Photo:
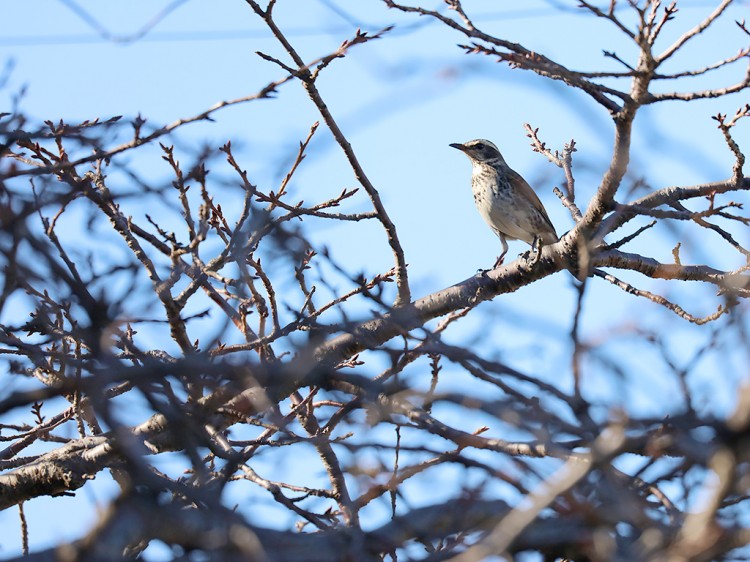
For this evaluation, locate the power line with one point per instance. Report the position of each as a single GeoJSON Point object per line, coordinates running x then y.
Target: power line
{"type": "Point", "coordinates": [105, 34]}
{"type": "Point", "coordinates": [145, 33]}
{"type": "Point", "coordinates": [176, 36]}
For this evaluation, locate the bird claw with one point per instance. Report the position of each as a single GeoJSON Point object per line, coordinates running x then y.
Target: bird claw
{"type": "Point", "coordinates": [533, 255]}
{"type": "Point", "coordinates": [498, 262]}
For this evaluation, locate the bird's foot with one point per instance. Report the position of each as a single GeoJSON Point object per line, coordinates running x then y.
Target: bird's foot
{"type": "Point", "coordinates": [498, 262]}
{"type": "Point", "coordinates": [534, 254]}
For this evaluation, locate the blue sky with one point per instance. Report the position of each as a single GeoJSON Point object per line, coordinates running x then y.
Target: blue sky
{"type": "Point", "coordinates": [401, 100]}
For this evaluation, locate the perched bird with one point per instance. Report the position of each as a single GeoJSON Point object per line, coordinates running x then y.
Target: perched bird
{"type": "Point", "coordinates": [506, 202]}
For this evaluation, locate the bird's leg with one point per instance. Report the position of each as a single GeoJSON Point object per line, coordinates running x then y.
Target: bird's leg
{"type": "Point", "coordinates": [501, 257]}
{"type": "Point", "coordinates": [536, 247]}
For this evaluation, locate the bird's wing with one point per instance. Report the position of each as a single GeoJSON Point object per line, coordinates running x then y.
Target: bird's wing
{"type": "Point", "coordinates": [527, 191]}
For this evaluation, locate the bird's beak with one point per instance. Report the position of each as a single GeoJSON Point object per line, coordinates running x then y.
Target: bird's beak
{"type": "Point", "coordinates": [459, 146]}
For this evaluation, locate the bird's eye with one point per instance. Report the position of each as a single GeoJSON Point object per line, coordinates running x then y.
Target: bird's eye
{"type": "Point", "coordinates": [479, 146]}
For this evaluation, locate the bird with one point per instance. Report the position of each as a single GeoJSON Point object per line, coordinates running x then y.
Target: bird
{"type": "Point", "coordinates": [505, 200]}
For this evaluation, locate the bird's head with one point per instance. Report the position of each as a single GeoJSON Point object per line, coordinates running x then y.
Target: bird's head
{"type": "Point", "coordinates": [480, 151]}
